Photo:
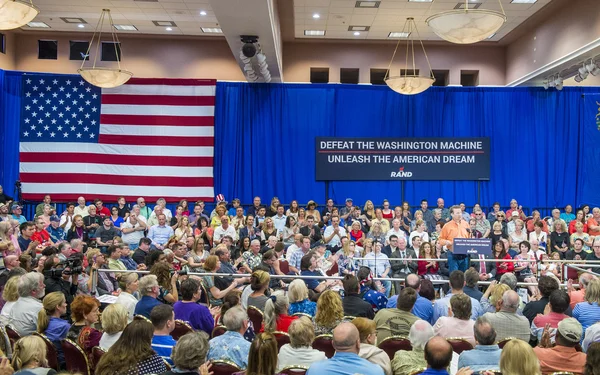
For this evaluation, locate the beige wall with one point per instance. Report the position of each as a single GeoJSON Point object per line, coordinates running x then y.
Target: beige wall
{"type": "Point", "coordinates": [299, 57]}
{"type": "Point", "coordinates": [145, 57]}
{"type": "Point", "coordinates": [576, 24]}
{"type": "Point", "coordinates": [7, 60]}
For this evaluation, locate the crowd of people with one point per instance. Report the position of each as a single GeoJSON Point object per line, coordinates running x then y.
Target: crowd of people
{"type": "Point", "coordinates": [398, 276]}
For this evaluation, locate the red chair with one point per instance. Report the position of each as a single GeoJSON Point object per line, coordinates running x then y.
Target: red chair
{"type": "Point", "coordinates": [51, 355]}
{"type": "Point", "coordinates": [218, 331]}
{"type": "Point", "coordinates": [13, 336]}
{"type": "Point", "coordinates": [97, 353]}
{"type": "Point", "coordinates": [282, 339]}
{"type": "Point", "coordinates": [459, 344]}
{"type": "Point", "coordinates": [181, 328]}
{"type": "Point", "coordinates": [324, 343]}
{"type": "Point", "coordinates": [334, 270]}
{"type": "Point", "coordinates": [392, 344]}
{"type": "Point", "coordinates": [75, 357]}
{"type": "Point", "coordinates": [222, 367]}
{"type": "Point", "coordinates": [256, 317]}
{"type": "Point", "coordinates": [284, 266]}
{"type": "Point", "coordinates": [503, 342]}
{"type": "Point", "coordinates": [294, 370]}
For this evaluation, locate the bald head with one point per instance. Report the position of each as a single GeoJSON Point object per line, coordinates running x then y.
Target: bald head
{"type": "Point", "coordinates": [438, 353]}
{"type": "Point", "coordinates": [510, 301]}
{"type": "Point", "coordinates": [413, 281]}
{"type": "Point", "coordinates": [346, 338]}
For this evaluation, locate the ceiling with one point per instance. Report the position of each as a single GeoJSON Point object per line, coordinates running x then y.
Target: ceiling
{"type": "Point", "coordinates": [335, 16]}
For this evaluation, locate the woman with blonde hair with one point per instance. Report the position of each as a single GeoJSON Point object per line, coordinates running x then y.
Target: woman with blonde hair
{"type": "Point", "coordinates": [7, 246]}
{"type": "Point", "coordinates": [368, 339]}
{"type": "Point", "coordinates": [29, 355]}
{"type": "Point", "coordinates": [330, 312]}
{"type": "Point", "coordinates": [49, 322]}
{"type": "Point", "coordinates": [588, 311]}
{"type": "Point", "coordinates": [211, 265]}
{"type": "Point", "coordinates": [197, 255]}
{"type": "Point", "coordinates": [10, 296]}
{"type": "Point", "coordinates": [492, 295]}
{"type": "Point", "coordinates": [276, 313]}
{"type": "Point", "coordinates": [345, 261]}
{"type": "Point", "coordinates": [299, 351]}
{"type": "Point", "coordinates": [518, 358]}
{"type": "Point", "coordinates": [114, 321]}
{"type": "Point", "coordinates": [267, 230]}
{"type": "Point", "coordinates": [299, 301]}
{"type": "Point", "coordinates": [215, 221]}
{"type": "Point", "coordinates": [129, 284]}
{"type": "Point", "coordinates": [262, 357]}
{"type": "Point", "coordinates": [183, 230]}
{"type": "Point", "coordinates": [369, 211]}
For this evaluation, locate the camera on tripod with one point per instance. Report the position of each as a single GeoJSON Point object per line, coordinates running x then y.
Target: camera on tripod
{"type": "Point", "coordinates": [72, 266]}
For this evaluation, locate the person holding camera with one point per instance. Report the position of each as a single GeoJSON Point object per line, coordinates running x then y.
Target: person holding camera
{"type": "Point", "coordinates": [62, 277]}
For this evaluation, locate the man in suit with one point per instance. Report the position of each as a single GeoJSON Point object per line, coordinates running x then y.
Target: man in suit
{"type": "Point", "coordinates": [393, 246]}
{"type": "Point", "coordinates": [311, 231]}
{"type": "Point", "coordinates": [487, 270]}
{"type": "Point", "coordinates": [401, 268]}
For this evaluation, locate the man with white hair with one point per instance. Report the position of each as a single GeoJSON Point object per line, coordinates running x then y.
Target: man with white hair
{"type": "Point", "coordinates": [153, 220]}
{"type": "Point", "coordinates": [81, 209]}
{"type": "Point", "coordinates": [145, 211]}
{"type": "Point", "coordinates": [406, 362]}
{"type": "Point", "coordinates": [486, 354]}
{"type": "Point", "coordinates": [23, 316]}
{"type": "Point", "coordinates": [162, 202]}
{"type": "Point", "coordinates": [149, 289]}
{"type": "Point", "coordinates": [506, 322]}
{"type": "Point", "coordinates": [138, 211]}
{"type": "Point", "coordinates": [231, 345]}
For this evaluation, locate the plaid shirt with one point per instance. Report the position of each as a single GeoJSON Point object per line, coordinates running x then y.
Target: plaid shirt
{"type": "Point", "coordinates": [296, 258]}
{"type": "Point", "coordinates": [252, 260]}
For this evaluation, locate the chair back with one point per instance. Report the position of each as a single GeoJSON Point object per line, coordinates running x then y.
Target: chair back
{"type": "Point", "coordinates": [256, 317]}
{"type": "Point", "coordinates": [301, 314]}
{"type": "Point", "coordinates": [13, 336]}
{"type": "Point", "coordinates": [459, 344]}
{"type": "Point", "coordinates": [294, 370]}
{"type": "Point", "coordinates": [334, 270]}
{"type": "Point", "coordinates": [282, 339]}
{"type": "Point", "coordinates": [181, 328]}
{"type": "Point", "coordinates": [52, 354]}
{"type": "Point", "coordinates": [141, 317]}
{"type": "Point", "coordinates": [284, 266]}
{"type": "Point", "coordinates": [503, 342]}
{"type": "Point", "coordinates": [5, 343]}
{"type": "Point", "coordinates": [204, 298]}
{"type": "Point", "coordinates": [97, 353]}
{"type": "Point", "coordinates": [222, 367]}
{"type": "Point", "coordinates": [218, 331]}
{"type": "Point", "coordinates": [392, 344]}
{"type": "Point", "coordinates": [324, 343]}
{"type": "Point", "coordinates": [75, 358]}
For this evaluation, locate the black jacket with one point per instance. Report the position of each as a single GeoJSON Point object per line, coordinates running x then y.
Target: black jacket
{"type": "Point", "coordinates": [59, 285]}
{"type": "Point", "coordinates": [357, 307]}
{"type": "Point", "coordinates": [139, 256]}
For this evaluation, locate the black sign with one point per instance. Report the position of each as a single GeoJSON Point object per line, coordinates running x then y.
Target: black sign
{"type": "Point", "coordinates": [368, 159]}
{"type": "Point", "coordinates": [472, 246]}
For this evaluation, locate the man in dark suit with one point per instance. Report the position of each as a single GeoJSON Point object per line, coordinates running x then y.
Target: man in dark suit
{"type": "Point", "coordinates": [389, 249]}
{"type": "Point", "coordinates": [401, 268]}
{"type": "Point", "coordinates": [311, 231]}
{"type": "Point", "coordinates": [487, 270]}
{"type": "Point", "coordinates": [249, 230]}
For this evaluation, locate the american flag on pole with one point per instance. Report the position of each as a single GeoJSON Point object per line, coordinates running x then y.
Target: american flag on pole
{"type": "Point", "coordinates": [152, 138]}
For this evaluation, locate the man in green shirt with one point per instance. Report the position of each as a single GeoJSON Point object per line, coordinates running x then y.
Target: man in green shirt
{"type": "Point", "coordinates": [397, 322]}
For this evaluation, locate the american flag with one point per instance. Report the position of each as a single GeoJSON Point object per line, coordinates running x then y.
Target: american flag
{"type": "Point", "coordinates": [150, 137]}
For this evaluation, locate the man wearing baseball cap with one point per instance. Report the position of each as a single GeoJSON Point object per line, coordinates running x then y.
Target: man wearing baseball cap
{"type": "Point", "coordinates": [563, 356]}
{"type": "Point", "coordinates": [17, 212]}
{"type": "Point", "coordinates": [346, 210]}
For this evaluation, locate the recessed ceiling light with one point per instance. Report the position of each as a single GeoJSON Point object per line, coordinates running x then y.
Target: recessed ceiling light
{"type": "Point", "coordinates": [398, 35]}
{"type": "Point", "coordinates": [125, 27]}
{"type": "Point", "coordinates": [164, 23]}
{"type": "Point", "coordinates": [367, 4]}
{"type": "Point", "coordinates": [38, 24]}
{"type": "Point", "coordinates": [314, 32]}
{"type": "Point", "coordinates": [524, 1]}
{"type": "Point", "coordinates": [212, 30]}
{"type": "Point", "coordinates": [359, 28]}
{"type": "Point", "coordinates": [472, 5]}
{"type": "Point", "coordinates": [202, 13]}
{"type": "Point", "coordinates": [316, 16]}
{"type": "Point", "coordinates": [169, 29]}
{"type": "Point", "coordinates": [81, 26]}
{"type": "Point", "coordinates": [356, 33]}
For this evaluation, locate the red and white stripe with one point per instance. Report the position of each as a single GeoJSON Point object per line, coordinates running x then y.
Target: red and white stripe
{"type": "Point", "coordinates": [156, 140]}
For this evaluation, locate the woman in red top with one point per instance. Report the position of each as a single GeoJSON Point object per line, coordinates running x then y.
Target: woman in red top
{"type": "Point", "coordinates": [426, 268]}
{"type": "Point", "coordinates": [357, 235]}
{"type": "Point", "coordinates": [41, 235]}
{"type": "Point", "coordinates": [276, 317]}
{"type": "Point", "coordinates": [388, 213]}
{"type": "Point", "coordinates": [500, 253]}
{"type": "Point", "coordinates": [581, 218]}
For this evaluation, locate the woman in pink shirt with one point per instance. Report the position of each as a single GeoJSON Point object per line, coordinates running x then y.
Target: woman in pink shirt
{"type": "Point", "coordinates": [458, 323]}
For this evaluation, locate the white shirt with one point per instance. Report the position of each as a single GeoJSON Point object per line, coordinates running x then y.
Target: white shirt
{"type": "Point", "coordinates": [337, 239]}
{"type": "Point", "coordinates": [68, 220]}
{"type": "Point", "coordinates": [279, 222]}
{"type": "Point", "coordinates": [220, 232]}
{"type": "Point", "coordinates": [107, 340]}
{"type": "Point", "coordinates": [23, 316]}
{"type": "Point", "coordinates": [378, 264]}
{"type": "Point", "coordinates": [424, 236]}
{"type": "Point", "coordinates": [81, 211]}
{"type": "Point", "coordinates": [128, 301]}
{"type": "Point", "coordinates": [132, 237]}
{"type": "Point", "coordinates": [290, 250]}
{"type": "Point", "coordinates": [400, 234]}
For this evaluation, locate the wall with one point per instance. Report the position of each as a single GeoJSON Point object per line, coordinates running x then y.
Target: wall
{"type": "Point", "coordinates": [7, 60]}
{"type": "Point", "coordinates": [185, 57]}
{"type": "Point", "coordinates": [299, 57]}
{"type": "Point", "coordinates": [565, 30]}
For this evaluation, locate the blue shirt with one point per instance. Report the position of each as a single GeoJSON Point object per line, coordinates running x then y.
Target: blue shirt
{"type": "Point", "coordinates": [56, 235]}
{"type": "Point", "coordinates": [56, 331]}
{"type": "Point", "coordinates": [230, 346]}
{"type": "Point", "coordinates": [482, 357]}
{"type": "Point", "coordinates": [306, 307]}
{"type": "Point", "coordinates": [423, 308]}
{"type": "Point", "coordinates": [431, 371]}
{"type": "Point", "coordinates": [311, 283]}
{"type": "Point", "coordinates": [129, 263]}
{"type": "Point", "coordinates": [586, 313]}
{"type": "Point", "coordinates": [440, 308]}
{"type": "Point", "coordinates": [377, 300]}
{"type": "Point", "coordinates": [21, 219]}
{"type": "Point", "coordinates": [160, 235]}
{"type": "Point", "coordinates": [163, 346]}
{"type": "Point", "coordinates": [344, 363]}
{"type": "Point", "coordinates": [145, 305]}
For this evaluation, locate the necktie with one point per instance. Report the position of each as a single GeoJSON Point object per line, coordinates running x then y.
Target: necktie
{"type": "Point", "coordinates": [482, 265]}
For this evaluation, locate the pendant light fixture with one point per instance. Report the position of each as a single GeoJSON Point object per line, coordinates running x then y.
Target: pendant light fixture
{"type": "Point", "coordinates": [99, 76]}
{"type": "Point", "coordinates": [410, 84]}
{"type": "Point", "coordinates": [468, 25]}
{"type": "Point", "coordinates": [16, 13]}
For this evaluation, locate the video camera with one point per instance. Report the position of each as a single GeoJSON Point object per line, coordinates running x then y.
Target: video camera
{"type": "Point", "coordinates": [72, 266]}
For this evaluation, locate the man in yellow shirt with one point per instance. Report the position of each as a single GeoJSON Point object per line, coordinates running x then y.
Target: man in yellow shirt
{"type": "Point", "coordinates": [455, 228]}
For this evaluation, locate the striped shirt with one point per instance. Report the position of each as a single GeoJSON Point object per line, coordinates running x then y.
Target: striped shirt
{"type": "Point", "coordinates": [163, 346]}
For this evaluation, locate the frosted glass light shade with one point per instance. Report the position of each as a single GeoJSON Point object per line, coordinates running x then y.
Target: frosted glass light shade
{"type": "Point", "coordinates": [466, 26]}
{"type": "Point", "coordinates": [105, 77]}
{"type": "Point", "coordinates": [16, 13]}
{"type": "Point", "coordinates": [409, 84]}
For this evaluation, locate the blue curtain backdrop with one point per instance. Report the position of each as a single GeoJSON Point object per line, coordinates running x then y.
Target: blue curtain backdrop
{"type": "Point", "coordinates": [545, 145]}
